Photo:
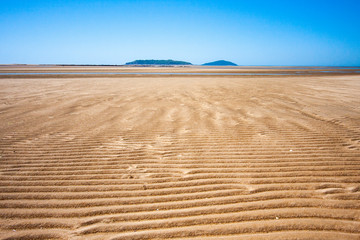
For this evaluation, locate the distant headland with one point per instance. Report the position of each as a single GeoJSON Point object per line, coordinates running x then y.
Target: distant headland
{"type": "Point", "coordinates": [220, 63]}
{"type": "Point", "coordinates": [158, 62]}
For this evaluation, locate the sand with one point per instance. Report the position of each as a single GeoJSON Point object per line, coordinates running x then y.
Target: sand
{"type": "Point", "coordinates": [151, 157]}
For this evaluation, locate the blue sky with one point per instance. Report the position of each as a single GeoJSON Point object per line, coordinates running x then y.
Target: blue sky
{"type": "Point", "coordinates": [245, 32]}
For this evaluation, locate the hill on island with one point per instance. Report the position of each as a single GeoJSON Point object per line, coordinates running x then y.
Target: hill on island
{"type": "Point", "coordinates": [220, 63]}
{"type": "Point", "coordinates": [157, 62]}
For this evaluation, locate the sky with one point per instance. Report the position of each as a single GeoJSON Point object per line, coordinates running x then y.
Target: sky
{"type": "Point", "coordinates": [263, 33]}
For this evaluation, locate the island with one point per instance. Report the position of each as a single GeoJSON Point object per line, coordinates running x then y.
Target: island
{"type": "Point", "coordinates": [158, 62]}
{"type": "Point", "coordinates": [220, 63]}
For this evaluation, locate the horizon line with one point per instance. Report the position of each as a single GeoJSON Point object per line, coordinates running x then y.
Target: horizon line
{"type": "Point", "coordinates": [90, 64]}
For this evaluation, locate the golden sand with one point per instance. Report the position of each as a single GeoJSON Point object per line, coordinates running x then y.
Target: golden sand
{"type": "Point", "coordinates": [181, 157]}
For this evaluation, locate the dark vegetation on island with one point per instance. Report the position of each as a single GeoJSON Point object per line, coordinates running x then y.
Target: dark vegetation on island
{"type": "Point", "coordinates": [220, 63]}
{"type": "Point", "coordinates": [157, 62]}
{"type": "Point", "coordinates": [153, 62]}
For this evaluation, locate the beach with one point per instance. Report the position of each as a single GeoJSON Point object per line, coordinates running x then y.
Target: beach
{"type": "Point", "coordinates": [159, 156]}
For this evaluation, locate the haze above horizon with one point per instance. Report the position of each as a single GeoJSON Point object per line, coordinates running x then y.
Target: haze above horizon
{"type": "Point", "coordinates": [306, 33]}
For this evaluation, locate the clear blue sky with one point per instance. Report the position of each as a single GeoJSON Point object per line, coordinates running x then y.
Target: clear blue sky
{"type": "Point", "coordinates": [255, 32]}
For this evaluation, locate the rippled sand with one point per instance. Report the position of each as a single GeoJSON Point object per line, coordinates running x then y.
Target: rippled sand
{"type": "Point", "coordinates": [180, 157]}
